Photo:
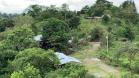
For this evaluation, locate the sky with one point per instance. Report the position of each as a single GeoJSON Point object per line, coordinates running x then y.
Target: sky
{"type": "Point", "coordinates": [18, 6]}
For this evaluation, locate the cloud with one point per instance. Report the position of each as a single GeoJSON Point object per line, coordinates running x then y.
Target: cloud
{"type": "Point", "coordinates": [14, 6]}
{"type": "Point", "coordinates": [78, 4]}
{"type": "Point", "coordinates": [18, 6]}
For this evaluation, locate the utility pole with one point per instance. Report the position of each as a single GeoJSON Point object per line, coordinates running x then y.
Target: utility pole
{"type": "Point", "coordinates": [107, 37]}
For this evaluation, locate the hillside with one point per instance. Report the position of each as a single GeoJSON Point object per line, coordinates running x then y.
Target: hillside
{"type": "Point", "coordinates": [99, 41]}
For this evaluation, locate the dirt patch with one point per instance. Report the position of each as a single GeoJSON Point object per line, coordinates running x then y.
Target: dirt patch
{"type": "Point", "coordinates": [95, 66]}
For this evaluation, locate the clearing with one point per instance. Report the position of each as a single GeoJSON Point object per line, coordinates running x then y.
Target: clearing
{"type": "Point", "coordinates": [94, 65]}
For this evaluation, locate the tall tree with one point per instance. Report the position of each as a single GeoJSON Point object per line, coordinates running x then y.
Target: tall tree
{"type": "Point", "coordinates": [55, 34]}
{"type": "Point", "coordinates": [65, 7]}
{"type": "Point", "coordinates": [129, 11]}
{"type": "Point", "coordinates": [99, 7]}
{"type": "Point", "coordinates": [33, 10]}
{"type": "Point", "coordinates": [85, 9]}
{"type": "Point", "coordinates": [23, 20]}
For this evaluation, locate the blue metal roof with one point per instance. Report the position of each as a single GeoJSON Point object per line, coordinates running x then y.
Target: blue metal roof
{"type": "Point", "coordinates": [66, 59]}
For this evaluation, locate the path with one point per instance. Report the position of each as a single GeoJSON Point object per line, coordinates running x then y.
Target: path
{"type": "Point", "coordinates": [94, 65]}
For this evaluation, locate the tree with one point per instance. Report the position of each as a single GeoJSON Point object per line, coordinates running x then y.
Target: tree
{"type": "Point", "coordinates": [131, 50]}
{"type": "Point", "coordinates": [74, 22]}
{"type": "Point", "coordinates": [2, 28]}
{"type": "Point", "coordinates": [23, 20]}
{"type": "Point", "coordinates": [5, 23]}
{"type": "Point", "coordinates": [43, 60]}
{"type": "Point", "coordinates": [97, 33]}
{"type": "Point", "coordinates": [55, 34]}
{"type": "Point", "coordinates": [129, 33]}
{"type": "Point", "coordinates": [106, 19]}
{"type": "Point", "coordinates": [6, 55]}
{"type": "Point", "coordinates": [85, 9]}
{"type": "Point", "coordinates": [70, 70]}
{"type": "Point", "coordinates": [128, 11]}
{"type": "Point", "coordinates": [49, 13]}
{"type": "Point", "coordinates": [19, 74]}
{"type": "Point", "coordinates": [65, 7]}
{"type": "Point", "coordinates": [99, 8]}
{"type": "Point", "coordinates": [125, 31]}
{"type": "Point", "coordinates": [34, 10]}
{"type": "Point", "coordinates": [7, 16]}
{"type": "Point", "coordinates": [28, 72]}
{"type": "Point", "coordinates": [19, 39]}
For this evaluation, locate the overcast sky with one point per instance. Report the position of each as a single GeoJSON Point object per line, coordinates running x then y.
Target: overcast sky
{"type": "Point", "coordinates": [18, 6]}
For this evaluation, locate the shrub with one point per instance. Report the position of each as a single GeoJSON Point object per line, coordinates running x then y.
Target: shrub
{"type": "Point", "coordinates": [106, 19]}
{"type": "Point", "coordinates": [97, 33]}
{"type": "Point", "coordinates": [2, 26]}
{"type": "Point", "coordinates": [23, 20]}
{"type": "Point", "coordinates": [125, 32]}
{"type": "Point", "coordinates": [43, 60]}
{"type": "Point", "coordinates": [28, 72]}
{"type": "Point", "coordinates": [71, 70]}
{"type": "Point", "coordinates": [74, 22]}
{"type": "Point", "coordinates": [20, 38]}
{"type": "Point", "coordinates": [136, 66]}
{"type": "Point", "coordinates": [37, 28]}
{"type": "Point", "coordinates": [129, 34]}
{"type": "Point", "coordinates": [5, 56]}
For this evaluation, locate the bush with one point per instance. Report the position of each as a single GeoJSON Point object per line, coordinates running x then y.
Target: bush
{"type": "Point", "coordinates": [74, 22]}
{"type": "Point", "coordinates": [71, 70]}
{"type": "Point", "coordinates": [129, 33]}
{"type": "Point", "coordinates": [97, 33]}
{"type": "Point", "coordinates": [37, 28]}
{"type": "Point", "coordinates": [28, 72]}
{"type": "Point", "coordinates": [23, 20]}
{"type": "Point", "coordinates": [124, 32]}
{"type": "Point", "coordinates": [43, 60]}
{"type": "Point", "coordinates": [136, 66]}
{"type": "Point", "coordinates": [5, 56]}
{"type": "Point", "coordinates": [15, 40]}
{"type": "Point", "coordinates": [19, 39]}
{"type": "Point", "coordinates": [106, 19]}
{"type": "Point", "coordinates": [4, 23]}
{"type": "Point", "coordinates": [2, 26]}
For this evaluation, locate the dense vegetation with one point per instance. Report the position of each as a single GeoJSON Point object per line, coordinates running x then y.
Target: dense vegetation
{"type": "Point", "coordinates": [23, 57]}
{"type": "Point", "coordinates": [67, 31]}
{"type": "Point", "coordinates": [121, 28]}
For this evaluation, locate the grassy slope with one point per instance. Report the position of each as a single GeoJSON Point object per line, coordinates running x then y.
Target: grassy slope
{"type": "Point", "coordinates": [94, 67]}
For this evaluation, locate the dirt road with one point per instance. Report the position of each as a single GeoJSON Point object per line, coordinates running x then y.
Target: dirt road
{"type": "Point", "coordinates": [94, 65]}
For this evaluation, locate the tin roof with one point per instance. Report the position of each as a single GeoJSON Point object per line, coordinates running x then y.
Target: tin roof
{"type": "Point", "coordinates": [66, 59]}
